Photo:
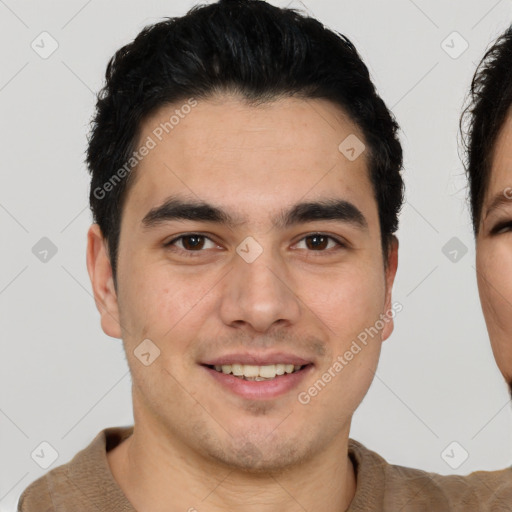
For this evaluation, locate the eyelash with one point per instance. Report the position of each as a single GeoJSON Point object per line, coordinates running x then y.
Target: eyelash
{"type": "Point", "coordinates": [170, 245]}
{"type": "Point", "coordinates": [499, 227]}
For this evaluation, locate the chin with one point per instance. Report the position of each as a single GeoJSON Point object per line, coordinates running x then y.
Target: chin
{"type": "Point", "coordinates": [249, 459]}
{"type": "Point", "coordinates": [257, 455]}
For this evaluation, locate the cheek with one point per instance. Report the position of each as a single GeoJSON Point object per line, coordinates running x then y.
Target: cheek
{"type": "Point", "coordinates": [158, 301]}
{"type": "Point", "coordinates": [348, 302]}
{"type": "Point", "coordinates": [352, 295]}
{"type": "Point", "coordinates": [494, 275]}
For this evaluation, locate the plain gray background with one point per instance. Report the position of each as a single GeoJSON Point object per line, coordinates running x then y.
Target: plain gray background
{"type": "Point", "coordinates": [63, 380]}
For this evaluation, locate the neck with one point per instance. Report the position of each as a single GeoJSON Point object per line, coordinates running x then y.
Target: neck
{"type": "Point", "coordinates": [159, 473]}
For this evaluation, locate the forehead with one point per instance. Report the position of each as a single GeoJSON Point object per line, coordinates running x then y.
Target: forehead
{"type": "Point", "coordinates": [236, 154]}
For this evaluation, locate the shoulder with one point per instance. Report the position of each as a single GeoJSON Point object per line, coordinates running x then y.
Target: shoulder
{"type": "Point", "coordinates": [396, 486]}
{"type": "Point", "coordinates": [402, 488]}
{"type": "Point", "coordinates": [37, 496]}
{"type": "Point", "coordinates": [80, 482]}
{"type": "Point", "coordinates": [493, 489]}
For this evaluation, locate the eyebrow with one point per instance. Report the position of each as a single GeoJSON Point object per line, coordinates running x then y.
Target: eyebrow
{"type": "Point", "coordinates": [499, 200]}
{"type": "Point", "coordinates": [175, 208]}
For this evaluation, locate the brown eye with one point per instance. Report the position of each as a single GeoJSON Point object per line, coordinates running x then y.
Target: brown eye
{"type": "Point", "coordinates": [193, 242]}
{"type": "Point", "coordinates": [319, 242]}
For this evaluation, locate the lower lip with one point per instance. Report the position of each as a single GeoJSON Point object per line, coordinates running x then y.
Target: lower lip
{"type": "Point", "coordinates": [262, 389]}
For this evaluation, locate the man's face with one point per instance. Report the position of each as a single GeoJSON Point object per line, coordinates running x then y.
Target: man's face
{"type": "Point", "coordinates": [273, 286]}
{"type": "Point", "coordinates": [494, 253]}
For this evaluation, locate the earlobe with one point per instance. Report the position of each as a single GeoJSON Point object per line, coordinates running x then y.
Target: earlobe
{"type": "Point", "coordinates": [392, 266]}
{"type": "Point", "coordinates": [102, 281]}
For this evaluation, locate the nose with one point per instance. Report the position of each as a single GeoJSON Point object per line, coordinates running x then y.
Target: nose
{"type": "Point", "coordinates": [259, 294]}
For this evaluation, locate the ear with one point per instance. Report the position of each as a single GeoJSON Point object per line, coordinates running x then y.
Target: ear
{"type": "Point", "coordinates": [392, 260]}
{"type": "Point", "coordinates": [100, 274]}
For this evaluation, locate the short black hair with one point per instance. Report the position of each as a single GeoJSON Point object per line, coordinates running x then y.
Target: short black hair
{"type": "Point", "coordinates": [488, 104]}
{"type": "Point", "coordinates": [247, 47]}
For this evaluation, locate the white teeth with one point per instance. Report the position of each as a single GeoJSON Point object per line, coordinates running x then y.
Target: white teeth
{"type": "Point", "coordinates": [250, 370]}
{"type": "Point", "coordinates": [254, 372]}
{"type": "Point", "coordinates": [269, 372]}
{"type": "Point", "coordinates": [237, 369]}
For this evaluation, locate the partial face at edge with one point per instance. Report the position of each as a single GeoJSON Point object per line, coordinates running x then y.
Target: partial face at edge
{"type": "Point", "coordinates": [198, 298]}
{"type": "Point", "coordinates": [494, 252]}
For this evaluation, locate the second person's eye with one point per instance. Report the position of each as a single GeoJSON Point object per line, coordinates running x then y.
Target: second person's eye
{"type": "Point", "coordinates": [501, 227]}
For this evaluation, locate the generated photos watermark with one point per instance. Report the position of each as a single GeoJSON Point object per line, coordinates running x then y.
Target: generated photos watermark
{"type": "Point", "coordinates": [304, 397]}
{"type": "Point", "coordinates": [149, 144]}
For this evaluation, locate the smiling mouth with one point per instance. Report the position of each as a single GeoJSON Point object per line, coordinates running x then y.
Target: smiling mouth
{"type": "Point", "coordinates": [257, 373]}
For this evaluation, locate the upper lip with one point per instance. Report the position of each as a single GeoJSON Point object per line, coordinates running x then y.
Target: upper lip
{"type": "Point", "coordinates": [258, 359]}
